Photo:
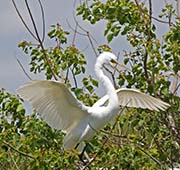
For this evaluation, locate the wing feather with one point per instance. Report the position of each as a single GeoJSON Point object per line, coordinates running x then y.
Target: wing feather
{"type": "Point", "coordinates": [135, 98]}
{"type": "Point", "coordinates": [54, 102]}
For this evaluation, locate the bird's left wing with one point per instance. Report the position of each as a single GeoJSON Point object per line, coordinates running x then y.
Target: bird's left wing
{"type": "Point", "coordinates": [54, 102]}
{"type": "Point", "coordinates": [135, 98]}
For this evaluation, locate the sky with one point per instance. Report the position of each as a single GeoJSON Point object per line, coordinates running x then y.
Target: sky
{"type": "Point", "coordinates": [13, 32]}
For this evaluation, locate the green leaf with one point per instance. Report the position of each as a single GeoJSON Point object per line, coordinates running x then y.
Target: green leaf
{"type": "Point", "coordinates": [78, 92]}
{"type": "Point", "coordinates": [19, 108]}
{"type": "Point", "coordinates": [85, 81]}
{"type": "Point", "coordinates": [110, 37]}
{"type": "Point", "coordinates": [90, 88]}
{"type": "Point", "coordinates": [94, 82]}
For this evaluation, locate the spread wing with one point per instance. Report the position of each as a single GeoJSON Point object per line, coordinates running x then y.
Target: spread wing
{"type": "Point", "coordinates": [135, 98]}
{"type": "Point", "coordinates": [54, 102]}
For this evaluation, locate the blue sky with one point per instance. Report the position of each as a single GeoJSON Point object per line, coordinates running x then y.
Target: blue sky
{"type": "Point", "coordinates": [12, 32]}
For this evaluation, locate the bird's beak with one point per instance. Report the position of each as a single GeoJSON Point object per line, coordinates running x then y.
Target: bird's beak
{"type": "Point", "coordinates": [118, 64]}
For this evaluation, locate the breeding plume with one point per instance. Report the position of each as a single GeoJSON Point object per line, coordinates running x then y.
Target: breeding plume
{"type": "Point", "coordinates": [61, 110]}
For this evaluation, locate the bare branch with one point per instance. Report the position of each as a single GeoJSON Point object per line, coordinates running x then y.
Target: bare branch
{"type": "Point", "coordinates": [143, 13]}
{"type": "Point", "coordinates": [150, 11]}
{"type": "Point", "coordinates": [178, 8]}
{"type": "Point", "coordinates": [145, 64]}
{"type": "Point", "coordinates": [33, 22]}
{"type": "Point", "coordinates": [74, 36]}
{"type": "Point", "coordinates": [22, 20]}
{"type": "Point", "coordinates": [74, 78]}
{"type": "Point", "coordinates": [36, 35]}
{"type": "Point", "coordinates": [40, 41]}
{"type": "Point", "coordinates": [20, 152]}
{"type": "Point", "coordinates": [67, 74]}
{"type": "Point", "coordinates": [43, 21]}
{"type": "Point", "coordinates": [77, 32]}
{"type": "Point", "coordinates": [23, 69]}
{"type": "Point", "coordinates": [153, 158]}
{"type": "Point", "coordinates": [13, 161]}
{"type": "Point", "coordinates": [90, 37]}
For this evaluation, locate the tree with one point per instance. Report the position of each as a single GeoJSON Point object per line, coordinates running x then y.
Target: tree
{"type": "Point", "coordinates": [139, 139]}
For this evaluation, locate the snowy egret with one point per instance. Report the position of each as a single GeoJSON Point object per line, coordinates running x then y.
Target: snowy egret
{"type": "Point", "coordinates": [61, 110]}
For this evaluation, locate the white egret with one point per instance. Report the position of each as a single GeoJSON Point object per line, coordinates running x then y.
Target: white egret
{"type": "Point", "coordinates": [62, 111]}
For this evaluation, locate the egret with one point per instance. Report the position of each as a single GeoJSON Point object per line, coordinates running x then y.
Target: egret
{"type": "Point", "coordinates": [62, 111]}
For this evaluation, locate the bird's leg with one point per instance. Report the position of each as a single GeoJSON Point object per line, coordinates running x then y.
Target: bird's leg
{"type": "Point", "coordinates": [83, 153]}
{"type": "Point", "coordinates": [76, 146]}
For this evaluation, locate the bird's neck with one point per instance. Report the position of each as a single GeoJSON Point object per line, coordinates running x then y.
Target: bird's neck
{"type": "Point", "coordinates": [111, 92]}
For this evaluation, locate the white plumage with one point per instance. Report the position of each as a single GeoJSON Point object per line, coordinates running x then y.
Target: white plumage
{"type": "Point", "coordinates": [62, 111]}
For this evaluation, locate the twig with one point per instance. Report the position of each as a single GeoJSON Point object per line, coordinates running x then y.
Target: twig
{"type": "Point", "coordinates": [77, 32]}
{"type": "Point", "coordinates": [20, 152]}
{"type": "Point", "coordinates": [90, 37]}
{"type": "Point", "coordinates": [143, 13]}
{"type": "Point", "coordinates": [177, 8]}
{"type": "Point", "coordinates": [33, 22]}
{"type": "Point", "coordinates": [145, 64]}
{"type": "Point", "coordinates": [36, 35]}
{"type": "Point", "coordinates": [74, 36]}
{"type": "Point", "coordinates": [74, 78]}
{"type": "Point", "coordinates": [95, 156]}
{"type": "Point", "coordinates": [13, 161]}
{"type": "Point", "coordinates": [153, 158]}
{"type": "Point", "coordinates": [22, 20]}
{"type": "Point", "coordinates": [43, 21]}
{"type": "Point", "coordinates": [115, 135]}
{"type": "Point", "coordinates": [67, 74]}
{"type": "Point", "coordinates": [150, 11]}
{"type": "Point", "coordinates": [23, 69]}
{"type": "Point", "coordinates": [91, 42]}
{"type": "Point", "coordinates": [39, 40]}
{"type": "Point", "coordinates": [169, 19]}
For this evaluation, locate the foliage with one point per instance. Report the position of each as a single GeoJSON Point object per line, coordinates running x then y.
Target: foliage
{"type": "Point", "coordinates": [138, 139]}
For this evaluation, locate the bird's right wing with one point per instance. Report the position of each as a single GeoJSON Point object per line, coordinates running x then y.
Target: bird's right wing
{"type": "Point", "coordinates": [54, 102]}
{"type": "Point", "coordinates": [135, 98]}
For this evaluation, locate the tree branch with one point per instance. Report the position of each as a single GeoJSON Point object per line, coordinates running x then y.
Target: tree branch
{"type": "Point", "coordinates": [22, 20]}
{"type": "Point", "coordinates": [23, 69]}
{"type": "Point", "coordinates": [36, 35]}
{"type": "Point", "coordinates": [177, 8]}
{"type": "Point", "coordinates": [39, 40]}
{"type": "Point", "coordinates": [156, 19]}
{"type": "Point", "coordinates": [74, 77]}
{"type": "Point", "coordinates": [153, 158]}
{"type": "Point", "coordinates": [43, 21]}
{"type": "Point", "coordinates": [13, 161]}
{"type": "Point", "coordinates": [20, 152]}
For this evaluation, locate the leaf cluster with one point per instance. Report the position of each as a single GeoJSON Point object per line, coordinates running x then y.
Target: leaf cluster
{"type": "Point", "coordinates": [137, 139]}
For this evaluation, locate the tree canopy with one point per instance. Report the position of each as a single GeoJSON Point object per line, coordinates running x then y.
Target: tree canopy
{"type": "Point", "coordinates": [138, 139]}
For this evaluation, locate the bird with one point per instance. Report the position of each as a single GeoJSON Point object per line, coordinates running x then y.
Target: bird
{"type": "Point", "coordinates": [59, 107]}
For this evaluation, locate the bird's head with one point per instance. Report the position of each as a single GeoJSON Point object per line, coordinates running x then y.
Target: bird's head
{"type": "Point", "coordinates": [106, 58]}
